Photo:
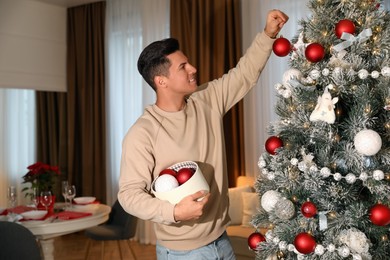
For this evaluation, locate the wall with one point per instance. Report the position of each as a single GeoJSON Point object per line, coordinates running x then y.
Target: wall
{"type": "Point", "coordinates": [32, 45]}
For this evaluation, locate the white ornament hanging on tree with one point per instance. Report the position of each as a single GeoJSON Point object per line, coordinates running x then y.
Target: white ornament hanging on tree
{"type": "Point", "coordinates": [269, 200]}
{"type": "Point", "coordinates": [367, 142]}
{"type": "Point", "coordinates": [324, 111]}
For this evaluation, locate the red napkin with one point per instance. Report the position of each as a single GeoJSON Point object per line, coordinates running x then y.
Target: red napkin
{"type": "Point", "coordinates": [66, 215]}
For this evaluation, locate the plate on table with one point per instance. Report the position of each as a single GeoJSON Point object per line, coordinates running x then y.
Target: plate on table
{"type": "Point", "coordinates": [84, 200]}
{"type": "Point", "coordinates": [34, 214]}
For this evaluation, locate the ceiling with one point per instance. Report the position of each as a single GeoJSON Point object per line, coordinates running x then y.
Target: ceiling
{"type": "Point", "coordinates": [69, 3]}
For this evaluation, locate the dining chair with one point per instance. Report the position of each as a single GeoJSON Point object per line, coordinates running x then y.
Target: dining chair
{"type": "Point", "coordinates": [17, 242]}
{"type": "Point", "coordinates": [120, 227]}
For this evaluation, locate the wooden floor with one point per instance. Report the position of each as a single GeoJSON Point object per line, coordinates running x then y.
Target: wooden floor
{"type": "Point", "coordinates": [73, 247]}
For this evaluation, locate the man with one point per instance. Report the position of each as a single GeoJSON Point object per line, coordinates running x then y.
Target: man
{"type": "Point", "coordinates": [185, 124]}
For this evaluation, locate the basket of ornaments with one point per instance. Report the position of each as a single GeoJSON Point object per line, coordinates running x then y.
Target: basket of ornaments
{"type": "Point", "coordinates": [178, 181]}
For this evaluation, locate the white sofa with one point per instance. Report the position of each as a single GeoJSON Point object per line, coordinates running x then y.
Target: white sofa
{"type": "Point", "coordinates": [244, 202]}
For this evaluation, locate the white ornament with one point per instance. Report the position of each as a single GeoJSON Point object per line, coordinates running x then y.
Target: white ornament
{"type": "Point", "coordinates": [294, 161]}
{"type": "Point", "coordinates": [313, 169]}
{"type": "Point", "coordinates": [282, 245]}
{"type": "Point", "coordinates": [319, 250]}
{"type": "Point", "coordinates": [165, 182]}
{"type": "Point", "coordinates": [325, 72]}
{"type": "Point", "coordinates": [315, 74]}
{"type": "Point", "coordinates": [363, 176]}
{"type": "Point", "coordinates": [269, 200]}
{"type": "Point", "coordinates": [367, 142]}
{"type": "Point", "coordinates": [355, 240]}
{"type": "Point", "coordinates": [325, 172]}
{"type": "Point", "coordinates": [375, 74]}
{"type": "Point", "coordinates": [363, 74]}
{"type": "Point", "coordinates": [291, 74]}
{"type": "Point", "coordinates": [331, 248]}
{"type": "Point", "coordinates": [291, 247]}
{"type": "Point", "coordinates": [350, 178]}
{"type": "Point", "coordinates": [271, 176]}
{"type": "Point", "coordinates": [337, 176]}
{"type": "Point", "coordinates": [344, 251]}
{"type": "Point", "coordinates": [385, 71]}
{"type": "Point", "coordinates": [378, 175]}
{"type": "Point", "coordinates": [324, 110]}
{"type": "Point", "coordinates": [356, 257]}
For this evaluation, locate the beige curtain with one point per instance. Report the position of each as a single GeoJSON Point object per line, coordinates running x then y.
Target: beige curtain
{"type": "Point", "coordinates": [72, 126]}
{"type": "Point", "coordinates": [209, 33]}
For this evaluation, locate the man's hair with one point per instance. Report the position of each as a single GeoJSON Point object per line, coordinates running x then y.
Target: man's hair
{"type": "Point", "coordinates": [153, 59]}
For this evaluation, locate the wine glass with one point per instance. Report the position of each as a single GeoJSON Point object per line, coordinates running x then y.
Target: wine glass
{"type": "Point", "coordinates": [35, 198]}
{"type": "Point", "coordinates": [46, 198]}
{"type": "Point", "coordinates": [64, 187]}
{"type": "Point", "coordinates": [12, 196]}
{"type": "Point", "coordinates": [71, 193]}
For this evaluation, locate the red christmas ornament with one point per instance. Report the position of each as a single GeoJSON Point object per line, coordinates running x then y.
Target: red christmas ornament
{"type": "Point", "coordinates": [380, 215]}
{"type": "Point", "coordinates": [183, 175]}
{"type": "Point", "coordinates": [344, 26]}
{"type": "Point", "coordinates": [254, 239]}
{"type": "Point", "coordinates": [309, 209]}
{"type": "Point", "coordinates": [281, 47]}
{"type": "Point", "coordinates": [314, 52]}
{"type": "Point", "coordinates": [305, 243]}
{"type": "Point", "coordinates": [168, 171]}
{"type": "Point", "coordinates": [272, 144]}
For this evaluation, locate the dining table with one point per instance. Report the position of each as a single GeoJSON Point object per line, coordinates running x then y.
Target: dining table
{"type": "Point", "coordinates": [61, 222]}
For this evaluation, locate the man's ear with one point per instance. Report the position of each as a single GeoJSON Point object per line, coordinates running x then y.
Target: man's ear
{"type": "Point", "coordinates": [159, 81]}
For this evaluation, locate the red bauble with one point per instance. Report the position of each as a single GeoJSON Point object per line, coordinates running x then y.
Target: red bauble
{"type": "Point", "coordinates": [309, 209]}
{"type": "Point", "coordinates": [344, 26]}
{"type": "Point", "coordinates": [281, 47]}
{"type": "Point", "coordinates": [315, 52]}
{"type": "Point", "coordinates": [272, 144]}
{"type": "Point", "coordinates": [305, 243]}
{"type": "Point", "coordinates": [183, 175]}
{"type": "Point", "coordinates": [254, 239]}
{"type": "Point", "coordinates": [168, 171]}
{"type": "Point", "coordinates": [380, 215]}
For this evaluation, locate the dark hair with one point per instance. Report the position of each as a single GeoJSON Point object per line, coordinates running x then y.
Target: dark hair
{"type": "Point", "coordinates": [153, 61]}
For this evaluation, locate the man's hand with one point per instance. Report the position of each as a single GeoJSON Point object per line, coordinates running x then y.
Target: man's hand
{"type": "Point", "coordinates": [275, 21]}
{"type": "Point", "coordinates": [190, 208]}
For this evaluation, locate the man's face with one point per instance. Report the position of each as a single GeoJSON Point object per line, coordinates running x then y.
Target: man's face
{"type": "Point", "coordinates": [181, 78]}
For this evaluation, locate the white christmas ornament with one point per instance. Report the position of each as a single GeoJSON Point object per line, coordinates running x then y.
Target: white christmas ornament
{"type": "Point", "coordinates": [367, 142]}
{"type": "Point", "coordinates": [356, 240]}
{"type": "Point", "coordinates": [378, 175]}
{"type": "Point", "coordinates": [291, 74]}
{"type": "Point", "coordinates": [269, 200]}
{"type": "Point", "coordinates": [385, 71]}
{"type": "Point", "coordinates": [165, 182]}
{"type": "Point", "coordinates": [324, 111]}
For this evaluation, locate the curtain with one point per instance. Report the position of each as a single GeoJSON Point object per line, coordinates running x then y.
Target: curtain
{"type": "Point", "coordinates": [210, 35]}
{"type": "Point", "coordinates": [86, 107]}
{"type": "Point", "coordinates": [17, 139]}
{"type": "Point", "coordinates": [131, 25]}
{"type": "Point", "coordinates": [52, 133]}
{"type": "Point", "coordinates": [260, 102]}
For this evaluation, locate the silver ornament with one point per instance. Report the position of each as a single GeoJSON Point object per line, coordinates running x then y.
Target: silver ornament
{"type": "Point", "coordinates": [285, 209]}
{"type": "Point", "coordinates": [331, 248]}
{"type": "Point", "coordinates": [315, 74]}
{"type": "Point", "coordinates": [294, 161]}
{"type": "Point", "coordinates": [319, 250]}
{"type": "Point", "coordinates": [325, 72]}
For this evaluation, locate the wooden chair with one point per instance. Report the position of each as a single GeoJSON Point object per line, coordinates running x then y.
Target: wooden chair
{"type": "Point", "coordinates": [120, 227]}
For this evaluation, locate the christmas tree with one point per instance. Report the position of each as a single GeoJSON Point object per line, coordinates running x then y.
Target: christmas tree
{"type": "Point", "coordinates": [324, 181]}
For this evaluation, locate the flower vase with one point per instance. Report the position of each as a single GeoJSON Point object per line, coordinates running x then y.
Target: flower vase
{"type": "Point", "coordinates": [50, 208]}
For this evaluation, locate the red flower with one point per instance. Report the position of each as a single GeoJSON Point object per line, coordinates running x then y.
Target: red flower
{"type": "Point", "coordinates": [41, 176]}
